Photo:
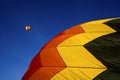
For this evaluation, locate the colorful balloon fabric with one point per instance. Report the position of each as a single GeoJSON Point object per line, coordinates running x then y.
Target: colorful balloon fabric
{"type": "Point", "coordinates": [88, 51]}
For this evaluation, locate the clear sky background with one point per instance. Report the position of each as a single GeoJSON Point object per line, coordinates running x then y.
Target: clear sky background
{"type": "Point", "coordinates": [47, 18]}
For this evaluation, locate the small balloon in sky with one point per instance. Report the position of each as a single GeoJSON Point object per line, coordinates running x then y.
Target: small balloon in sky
{"type": "Point", "coordinates": [27, 28]}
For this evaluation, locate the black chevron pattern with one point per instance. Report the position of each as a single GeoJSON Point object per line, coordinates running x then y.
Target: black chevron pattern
{"type": "Point", "coordinates": [107, 49]}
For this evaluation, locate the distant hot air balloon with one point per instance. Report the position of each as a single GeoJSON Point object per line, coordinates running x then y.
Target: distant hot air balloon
{"type": "Point", "coordinates": [27, 28]}
{"type": "Point", "coordinates": [88, 51]}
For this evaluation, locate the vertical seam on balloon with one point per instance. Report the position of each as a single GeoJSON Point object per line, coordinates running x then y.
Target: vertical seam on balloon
{"type": "Point", "coordinates": [60, 56]}
{"type": "Point", "coordinates": [56, 73]}
{"type": "Point", "coordinates": [60, 66]}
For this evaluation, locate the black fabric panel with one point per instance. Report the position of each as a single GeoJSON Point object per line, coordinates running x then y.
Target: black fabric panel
{"type": "Point", "coordinates": [115, 24]}
{"type": "Point", "coordinates": [107, 40]}
{"type": "Point", "coordinates": [109, 56]}
{"type": "Point", "coordinates": [109, 75]}
{"type": "Point", "coordinates": [107, 50]}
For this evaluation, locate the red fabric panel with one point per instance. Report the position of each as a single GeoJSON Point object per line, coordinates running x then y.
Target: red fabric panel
{"type": "Point", "coordinates": [34, 66]}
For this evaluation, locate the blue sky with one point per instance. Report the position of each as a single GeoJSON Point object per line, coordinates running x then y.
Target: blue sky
{"type": "Point", "coordinates": [47, 18]}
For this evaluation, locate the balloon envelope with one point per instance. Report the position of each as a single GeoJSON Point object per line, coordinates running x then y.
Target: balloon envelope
{"type": "Point", "coordinates": [88, 51]}
{"type": "Point", "coordinates": [27, 28]}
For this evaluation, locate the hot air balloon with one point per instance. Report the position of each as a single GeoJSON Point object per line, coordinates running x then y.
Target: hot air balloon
{"type": "Point", "coordinates": [27, 28]}
{"type": "Point", "coordinates": [87, 51]}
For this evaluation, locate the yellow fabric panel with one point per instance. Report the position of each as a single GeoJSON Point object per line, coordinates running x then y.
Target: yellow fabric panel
{"type": "Point", "coordinates": [82, 38]}
{"type": "Point", "coordinates": [97, 26]}
{"type": "Point", "coordinates": [78, 56]}
{"type": "Point", "coordinates": [77, 74]}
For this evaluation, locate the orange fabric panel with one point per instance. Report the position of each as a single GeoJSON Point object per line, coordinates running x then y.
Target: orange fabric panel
{"type": "Point", "coordinates": [45, 73]}
{"type": "Point", "coordinates": [64, 35]}
{"type": "Point", "coordinates": [51, 57]}
{"type": "Point", "coordinates": [74, 30]}
{"type": "Point", "coordinates": [57, 40]}
{"type": "Point", "coordinates": [34, 66]}
{"type": "Point", "coordinates": [46, 57]}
